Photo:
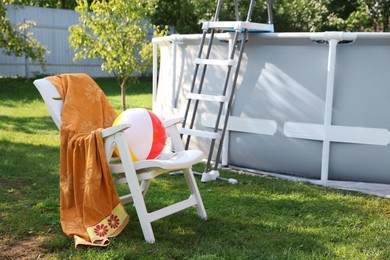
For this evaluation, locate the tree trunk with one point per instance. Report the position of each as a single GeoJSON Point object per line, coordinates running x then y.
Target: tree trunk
{"type": "Point", "coordinates": [123, 94]}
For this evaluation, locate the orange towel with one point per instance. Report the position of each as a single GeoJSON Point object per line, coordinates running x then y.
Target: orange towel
{"type": "Point", "coordinates": [89, 206]}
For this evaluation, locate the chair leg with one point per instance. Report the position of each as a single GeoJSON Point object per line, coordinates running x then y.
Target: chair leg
{"type": "Point", "coordinates": [135, 189]}
{"type": "Point", "coordinates": [193, 187]}
{"type": "Point", "coordinates": [188, 175]}
{"type": "Point", "coordinates": [140, 207]}
{"type": "Point", "coordinates": [145, 186]}
{"type": "Point", "coordinates": [143, 218]}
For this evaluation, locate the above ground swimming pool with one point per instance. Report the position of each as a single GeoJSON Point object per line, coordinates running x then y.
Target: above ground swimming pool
{"type": "Point", "coordinates": [314, 105]}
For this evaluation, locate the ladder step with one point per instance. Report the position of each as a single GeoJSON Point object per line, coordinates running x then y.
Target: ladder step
{"type": "Point", "coordinates": [200, 133]}
{"type": "Point", "coordinates": [205, 97]}
{"type": "Point", "coordinates": [239, 25]}
{"type": "Point", "coordinates": [200, 61]}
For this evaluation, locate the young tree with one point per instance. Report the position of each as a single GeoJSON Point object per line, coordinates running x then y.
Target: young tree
{"type": "Point", "coordinates": [16, 40]}
{"type": "Point", "coordinates": [116, 32]}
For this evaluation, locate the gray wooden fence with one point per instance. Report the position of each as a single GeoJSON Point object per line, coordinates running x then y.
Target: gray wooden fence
{"type": "Point", "coordinates": [51, 31]}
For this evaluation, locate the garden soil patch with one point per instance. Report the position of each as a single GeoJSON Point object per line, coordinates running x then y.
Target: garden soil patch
{"type": "Point", "coordinates": [25, 249]}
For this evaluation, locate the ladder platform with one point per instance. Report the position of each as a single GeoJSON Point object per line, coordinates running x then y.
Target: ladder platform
{"type": "Point", "coordinates": [200, 133]}
{"type": "Point", "coordinates": [239, 25]}
{"type": "Point", "coordinates": [205, 97]}
{"type": "Point", "coordinates": [200, 61]}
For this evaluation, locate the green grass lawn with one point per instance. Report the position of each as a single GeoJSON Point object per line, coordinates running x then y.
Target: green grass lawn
{"type": "Point", "coordinates": [259, 218]}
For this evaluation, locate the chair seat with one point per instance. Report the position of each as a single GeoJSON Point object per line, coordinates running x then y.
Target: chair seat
{"type": "Point", "coordinates": [172, 161]}
{"type": "Point", "coordinates": [149, 169]}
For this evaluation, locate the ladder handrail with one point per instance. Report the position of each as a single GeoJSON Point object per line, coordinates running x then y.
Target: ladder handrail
{"type": "Point", "coordinates": [236, 10]}
{"type": "Point", "coordinates": [269, 11]}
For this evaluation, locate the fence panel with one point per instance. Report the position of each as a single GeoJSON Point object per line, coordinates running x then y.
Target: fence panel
{"type": "Point", "coordinates": [51, 31]}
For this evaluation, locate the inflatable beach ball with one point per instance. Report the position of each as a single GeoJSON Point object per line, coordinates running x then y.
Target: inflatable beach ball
{"type": "Point", "coordinates": [146, 136]}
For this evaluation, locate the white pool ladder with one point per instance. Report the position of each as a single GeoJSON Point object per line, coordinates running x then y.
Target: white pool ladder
{"type": "Point", "coordinates": [225, 100]}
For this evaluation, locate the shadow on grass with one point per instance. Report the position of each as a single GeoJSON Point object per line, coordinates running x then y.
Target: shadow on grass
{"type": "Point", "coordinates": [26, 169]}
{"type": "Point", "coordinates": [20, 89]}
{"type": "Point", "coordinates": [17, 89]}
{"type": "Point", "coordinates": [27, 125]}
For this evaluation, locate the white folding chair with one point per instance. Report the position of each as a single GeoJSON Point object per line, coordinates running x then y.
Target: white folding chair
{"type": "Point", "coordinates": [138, 175]}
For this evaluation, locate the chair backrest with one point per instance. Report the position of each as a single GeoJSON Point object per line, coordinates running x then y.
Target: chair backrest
{"type": "Point", "coordinates": [52, 99]}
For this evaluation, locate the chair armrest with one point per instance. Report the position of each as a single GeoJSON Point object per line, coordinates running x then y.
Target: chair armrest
{"type": "Point", "coordinates": [173, 121]}
{"type": "Point", "coordinates": [114, 129]}
{"type": "Point", "coordinates": [171, 129]}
